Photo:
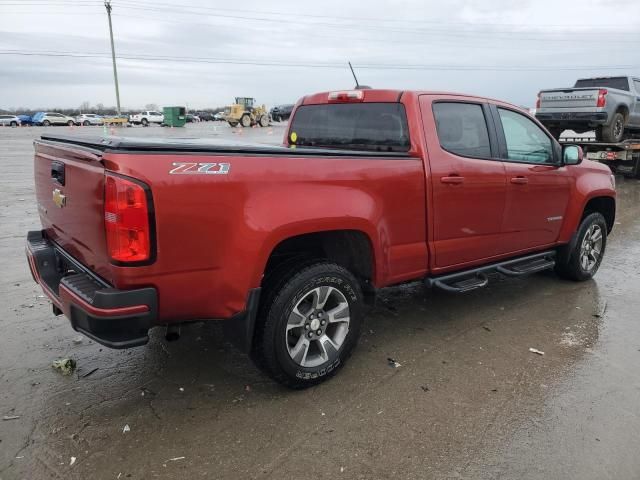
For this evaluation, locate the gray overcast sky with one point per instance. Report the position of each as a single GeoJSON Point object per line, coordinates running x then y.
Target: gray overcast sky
{"type": "Point", "coordinates": [408, 44]}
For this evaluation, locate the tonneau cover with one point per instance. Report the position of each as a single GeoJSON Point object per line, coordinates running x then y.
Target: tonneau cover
{"type": "Point", "coordinates": [202, 145]}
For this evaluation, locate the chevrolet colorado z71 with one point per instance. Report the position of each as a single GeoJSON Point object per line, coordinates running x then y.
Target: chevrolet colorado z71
{"type": "Point", "coordinates": [286, 244]}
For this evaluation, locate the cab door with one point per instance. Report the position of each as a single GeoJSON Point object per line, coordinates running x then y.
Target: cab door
{"type": "Point", "coordinates": [538, 185]}
{"type": "Point", "coordinates": [468, 187]}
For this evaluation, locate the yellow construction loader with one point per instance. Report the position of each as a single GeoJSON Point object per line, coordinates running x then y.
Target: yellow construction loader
{"type": "Point", "coordinates": [246, 114]}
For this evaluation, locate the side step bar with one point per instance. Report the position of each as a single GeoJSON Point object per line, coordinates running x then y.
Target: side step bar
{"type": "Point", "coordinates": [467, 280]}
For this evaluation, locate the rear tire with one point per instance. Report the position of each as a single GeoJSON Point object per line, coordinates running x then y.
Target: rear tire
{"type": "Point", "coordinates": [582, 262]}
{"type": "Point", "coordinates": [71, 123]}
{"type": "Point", "coordinates": [86, 123]}
{"type": "Point", "coordinates": [233, 124]}
{"type": "Point", "coordinates": [264, 121]}
{"type": "Point", "coordinates": [46, 123]}
{"type": "Point", "coordinates": [13, 124]}
{"type": "Point", "coordinates": [308, 325]}
{"type": "Point", "coordinates": [614, 132]}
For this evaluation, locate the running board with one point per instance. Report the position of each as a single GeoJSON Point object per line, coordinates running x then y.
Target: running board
{"type": "Point", "coordinates": [467, 280]}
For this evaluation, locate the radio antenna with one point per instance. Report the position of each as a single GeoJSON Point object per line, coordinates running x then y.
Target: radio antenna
{"type": "Point", "coordinates": [354, 76]}
{"type": "Point", "coordinates": [358, 86]}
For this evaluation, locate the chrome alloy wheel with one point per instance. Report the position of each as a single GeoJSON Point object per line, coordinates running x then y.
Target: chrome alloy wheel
{"type": "Point", "coordinates": [591, 248]}
{"type": "Point", "coordinates": [317, 326]}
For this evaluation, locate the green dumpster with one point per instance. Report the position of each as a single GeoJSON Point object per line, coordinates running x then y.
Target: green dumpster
{"type": "Point", "coordinates": [175, 116]}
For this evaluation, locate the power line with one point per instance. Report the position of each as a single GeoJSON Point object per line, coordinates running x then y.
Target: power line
{"type": "Point", "coordinates": [341, 65]}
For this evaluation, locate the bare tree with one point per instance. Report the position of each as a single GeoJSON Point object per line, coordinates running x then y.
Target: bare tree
{"type": "Point", "coordinates": [85, 107]}
{"type": "Point", "coordinates": [151, 106]}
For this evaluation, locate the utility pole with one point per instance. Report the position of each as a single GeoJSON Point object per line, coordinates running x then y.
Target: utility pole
{"type": "Point", "coordinates": [107, 4]}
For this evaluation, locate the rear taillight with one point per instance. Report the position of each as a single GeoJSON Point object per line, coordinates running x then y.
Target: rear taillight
{"type": "Point", "coordinates": [602, 97]}
{"type": "Point", "coordinates": [538, 101]}
{"type": "Point", "coordinates": [346, 96]}
{"type": "Point", "coordinates": [126, 219]}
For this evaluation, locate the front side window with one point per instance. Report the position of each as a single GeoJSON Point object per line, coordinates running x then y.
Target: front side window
{"type": "Point", "coordinates": [526, 141]}
{"type": "Point", "coordinates": [462, 129]}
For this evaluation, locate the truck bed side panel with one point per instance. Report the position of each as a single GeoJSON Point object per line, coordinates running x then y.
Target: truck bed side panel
{"type": "Point", "coordinates": [209, 224]}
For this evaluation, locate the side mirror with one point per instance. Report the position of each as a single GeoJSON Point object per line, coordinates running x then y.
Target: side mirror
{"type": "Point", "coordinates": [572, 155]}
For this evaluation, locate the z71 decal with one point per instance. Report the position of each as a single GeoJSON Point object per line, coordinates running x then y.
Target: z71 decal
{"type": "Point", "coordinates": [187, 168]}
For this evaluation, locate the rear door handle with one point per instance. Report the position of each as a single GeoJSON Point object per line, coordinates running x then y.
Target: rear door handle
{"type": "Point", "coordinates": [454, 179]}
{"type": "Point", "coordinates": [520, 180]}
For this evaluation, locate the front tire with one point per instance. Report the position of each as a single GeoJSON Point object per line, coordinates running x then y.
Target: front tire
{"type": "Point", "coordinates": [13, 124]}
{"type": "Point", "coordinates": [309, 324]}
{"type": "Point", "coordinates": [245, 121]}
{"type": "Point", "coordinates": [145, 122]}
{"type": "Point", "coordinates": [582, 262]}
{"type": "Point", "coordinates": [46, 123]}
{"type": "Point", "coordinates": [86, 123]}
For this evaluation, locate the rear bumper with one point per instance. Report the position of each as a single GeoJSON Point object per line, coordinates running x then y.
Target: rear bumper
{"type": "Point", "coordinates": [114, 318]}
{"type": "Point", "coordinates": [569, 119]}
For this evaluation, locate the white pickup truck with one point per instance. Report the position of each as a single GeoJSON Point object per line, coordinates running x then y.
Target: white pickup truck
{"type": "Point", "coordinates": [146, 117]}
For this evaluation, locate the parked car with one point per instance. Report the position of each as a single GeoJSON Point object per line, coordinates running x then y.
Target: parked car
{"type": "Point", "coordinates": [205, 116]}
{"type": "Point", "coordinates": [25, 119]}
{"type": "Point", "coordinates": [191, 118]}
{"type": "Point", "coordinates": [9, 121]}
{"type": "Point", "coordinates": [285, 246]}
{"type": "Point", "coordinates": [52, 118]}
{"type": "Point", "coordinates": [608, 105]}
{"type": "Point", "coordinates": [147, 117]}
{"type": "Point", "coordinates": [87, 119]}
{"type": "Point", "coordinates": [219, 117]}
{"type": "Point", "coordinates": [281, 112]}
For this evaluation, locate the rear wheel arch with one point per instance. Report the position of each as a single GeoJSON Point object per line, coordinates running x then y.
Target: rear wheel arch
{"type": "Point", "coordinates": [624, 110]}
{"type": "Point", "coordinates": [351, 249]}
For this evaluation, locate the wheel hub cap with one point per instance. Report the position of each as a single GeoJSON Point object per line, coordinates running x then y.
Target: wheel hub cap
{"type": "Point", "coordinates": [317, 326]}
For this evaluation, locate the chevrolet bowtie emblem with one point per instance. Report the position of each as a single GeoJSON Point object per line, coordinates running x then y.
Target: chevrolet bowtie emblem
{"type": "Point", "coordinates": [59, 199]}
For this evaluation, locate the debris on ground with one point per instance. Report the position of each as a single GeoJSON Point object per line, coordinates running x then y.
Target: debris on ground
{"type": "Point", "coordinates": [73, 460]}
{"type": "Point", "coordinates": [536, 351]}
{"type": "Point", "coordinates": [247, 388]}
{"type": "Point", "coordinates": [424, 388]}
{"type": "Point", "coordinates": [393, 363]}
{"type": "Point", "coordinates": [126, 428]}
{"type": "Point", "coordinates": [175, 459]}
{"type": "Point", "coordinates": [77, 339]}
{"type": "Point", "coordinates": [181, 389]}
{"type": "Point", "coordinates": [11, 417]}
{"type": "Point", "coordinates": [486, 328]}
{"type": "Point", "coordinates": [600, 312]}
{"type": "Point", "coordinates": [65, 365]}
{"type": "Point", "coordinates": [90, 372]}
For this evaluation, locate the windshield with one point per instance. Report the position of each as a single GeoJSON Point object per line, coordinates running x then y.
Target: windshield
{"type": "Point", "coordinates": [378, 127]}
{"type": "Point", "coordinates": [620, 83]}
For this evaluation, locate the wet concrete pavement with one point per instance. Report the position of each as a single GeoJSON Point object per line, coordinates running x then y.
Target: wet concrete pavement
{"type": "Point", "coordinates": [468, 401]}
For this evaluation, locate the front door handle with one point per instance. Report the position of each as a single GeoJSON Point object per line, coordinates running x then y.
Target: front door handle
{"type": "Point", "coordinates": [520, 180]}
{"type": "Point", "coordinates": [454, 179]}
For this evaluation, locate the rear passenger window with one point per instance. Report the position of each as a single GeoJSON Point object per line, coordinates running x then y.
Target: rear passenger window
{"type": "Point", "coordinates": [462, 129]}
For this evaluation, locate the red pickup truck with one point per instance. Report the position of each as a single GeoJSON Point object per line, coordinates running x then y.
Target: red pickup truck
{"type": "Point", "coordinates": [287, 244]}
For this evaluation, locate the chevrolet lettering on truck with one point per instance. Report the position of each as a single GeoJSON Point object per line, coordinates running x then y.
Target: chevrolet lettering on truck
{"type": "Point", "coordinates": [286, 245]}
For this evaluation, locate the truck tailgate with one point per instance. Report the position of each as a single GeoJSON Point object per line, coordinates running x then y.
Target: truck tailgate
{"type": "Point", "coordinates": [69, 182]}
{"type": "Point", "coordinates": [572, 98]}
